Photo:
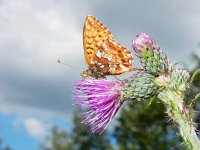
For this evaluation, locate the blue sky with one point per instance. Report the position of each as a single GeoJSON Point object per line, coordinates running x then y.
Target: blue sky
{"type": "Point", "coordinates": [13, 136]}
{"type": "Point", "coordinates": [35, 91]}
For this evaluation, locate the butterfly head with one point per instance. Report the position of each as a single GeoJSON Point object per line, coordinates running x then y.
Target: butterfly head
{"type": "Point", "coordinates": [85, 74]}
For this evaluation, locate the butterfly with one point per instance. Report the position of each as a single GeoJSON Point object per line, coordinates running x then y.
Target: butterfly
{"type": "Point", "coordinates": [103, 55]}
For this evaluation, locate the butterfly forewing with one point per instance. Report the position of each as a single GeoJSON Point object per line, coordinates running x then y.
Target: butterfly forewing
{"type": "Point", "coordinates": [103, 54]}
{"type": "Point", "coordinates": [94, 34]}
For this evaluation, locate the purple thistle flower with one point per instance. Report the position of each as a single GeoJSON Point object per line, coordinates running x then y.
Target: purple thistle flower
{"type": "Point", "coordinates": [143, 40]}
{"type": "Point", "coordinates": [100, 100]}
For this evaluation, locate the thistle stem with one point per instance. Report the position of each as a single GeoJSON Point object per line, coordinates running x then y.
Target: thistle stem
{"type": "Point", "coordinates": [180, 115]}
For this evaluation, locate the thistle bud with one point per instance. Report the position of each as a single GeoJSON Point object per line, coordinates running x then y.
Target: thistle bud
{"type": "Point", "coordinates": [179, 80]}
{"type": "Point", "coordinates": [143, 41]}
{"type": "Point", "coordinates": [153, 60]}
{"type": "Point", "coordinates": [139, 87]}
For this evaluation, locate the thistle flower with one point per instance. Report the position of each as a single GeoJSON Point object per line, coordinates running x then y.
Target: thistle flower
{"type": "Point", "coordinates": [100, 101]}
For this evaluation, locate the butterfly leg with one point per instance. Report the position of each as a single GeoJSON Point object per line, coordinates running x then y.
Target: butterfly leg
{"type": "Point", "coordinates": [136, 69]}
{"type": "Point", "coordinates": [116, 78]}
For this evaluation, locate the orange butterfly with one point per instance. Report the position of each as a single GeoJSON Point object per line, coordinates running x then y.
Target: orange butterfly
{"type": "Point", "coordinates": [104, 56]}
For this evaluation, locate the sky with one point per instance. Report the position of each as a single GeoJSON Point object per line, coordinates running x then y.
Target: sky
{"type": "Point", "coordinates": [36, 91]}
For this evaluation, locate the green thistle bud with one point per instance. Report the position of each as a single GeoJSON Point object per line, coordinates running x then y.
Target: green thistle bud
{"type": "Point", "coordinates": [179, 80]}
{"type": "Point", "coordinates": [153, 60]}
{"type": "Point", "coordinates": [139, 87]}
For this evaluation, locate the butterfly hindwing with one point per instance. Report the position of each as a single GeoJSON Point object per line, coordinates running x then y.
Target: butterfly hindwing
{"type": "Point", "coordinates": [120, 58]}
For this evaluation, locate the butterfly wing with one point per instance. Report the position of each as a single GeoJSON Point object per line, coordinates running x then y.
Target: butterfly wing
{"type": "Point", "coordinates": [102, 53]}
{"type": "Point", "coordinates": [120, 58]}
{"type": "Point", "coordinates": [94, 34]}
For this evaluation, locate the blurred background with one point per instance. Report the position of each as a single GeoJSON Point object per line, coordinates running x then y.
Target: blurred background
{"type": "Point", "coordinates": [36, 110]}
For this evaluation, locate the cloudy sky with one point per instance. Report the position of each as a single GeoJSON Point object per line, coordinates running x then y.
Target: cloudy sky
{"type": "Point", "coordinates": [35, 91]}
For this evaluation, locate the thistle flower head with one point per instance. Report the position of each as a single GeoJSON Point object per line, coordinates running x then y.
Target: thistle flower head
{"type": "Point", "coordinates": [143, 40]}
{"type": "Point", "coordinates": [100, 100]}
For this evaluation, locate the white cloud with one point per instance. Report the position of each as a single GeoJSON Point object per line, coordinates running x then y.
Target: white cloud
{"type": "Point", "coordinates": [35, 128]}
{"type": "Point", "coordinates": [23, 112]}
{"type": "Point", "coordinates": [34, 35]}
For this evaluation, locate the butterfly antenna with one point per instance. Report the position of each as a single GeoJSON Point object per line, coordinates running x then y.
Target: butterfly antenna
{"type": "Point", "coordinates": [68, 65]}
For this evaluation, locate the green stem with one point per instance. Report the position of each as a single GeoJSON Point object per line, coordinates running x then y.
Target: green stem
{"type": "Point", "coordinates": [180, 115]}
